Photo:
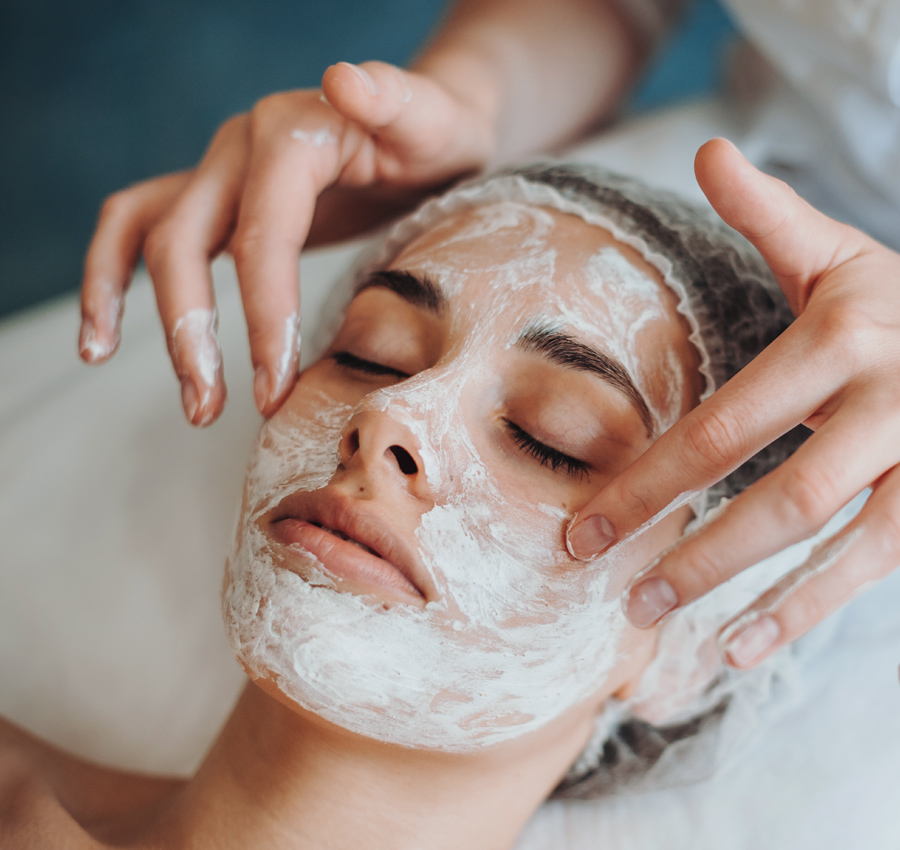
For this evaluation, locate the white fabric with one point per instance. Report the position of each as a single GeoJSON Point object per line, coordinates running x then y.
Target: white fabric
{"type": "Point", "coordinates": [115, 516]}
{"type": "Point", "coordinates": [832, 127]}
{"type": "Point", "coordinates": [114, 519]}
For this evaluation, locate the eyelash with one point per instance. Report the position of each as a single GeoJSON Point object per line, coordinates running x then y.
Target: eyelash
{"type": "Point", "coordinates": [367, 367]}
{"type": "Point", "coordinates": [545, 455]}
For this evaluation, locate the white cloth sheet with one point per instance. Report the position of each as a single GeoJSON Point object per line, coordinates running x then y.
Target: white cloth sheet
{"type": "Point", "coordinates": [114, 521]}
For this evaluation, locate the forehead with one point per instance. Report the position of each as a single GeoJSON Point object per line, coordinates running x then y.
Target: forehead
{"type": "Point", "coordinates": [528, 250]}
{"type": "Point", "coordinates": [515, 262]}
{"type": "Point", "coordinates": [505, 265]}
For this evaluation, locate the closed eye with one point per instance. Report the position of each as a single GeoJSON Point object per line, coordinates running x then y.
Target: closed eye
{"type": "Point", "coordinates": [544, 454]}
{"type": "Point", "coordinates": [367, 367]}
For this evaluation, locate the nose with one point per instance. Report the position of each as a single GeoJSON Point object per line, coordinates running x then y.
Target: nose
{"type": "Point", "coordinates": [378, 446]}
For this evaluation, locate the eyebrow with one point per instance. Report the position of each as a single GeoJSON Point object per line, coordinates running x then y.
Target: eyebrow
{"type": "Point", "coordinates": [418, 290]}
{"type": "Point", "coordinates": [564, 350]}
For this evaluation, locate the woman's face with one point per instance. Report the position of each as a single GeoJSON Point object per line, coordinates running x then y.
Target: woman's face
{"type": "Point", "coordinates": [400, 565]}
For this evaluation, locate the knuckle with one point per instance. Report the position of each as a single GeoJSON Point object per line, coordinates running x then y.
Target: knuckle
{"type": "Point", "coordinates": [247, 243]}
{"type": "Point", "coordinates": [228, 130]}
{"type": "Point", "coordinates": [117, 205]}
{"type": "Point", "coordinates": [699, 572]}
{"type": "Point", "coordinates": [158, 246]}
{"type": "Point", "coordinates": [716, 440]}
{"type": "Point", "coordinates": [843, 332]}
{"type": "Point", "coordinates": [808, 495]}
{"type": "Point", "coordinates": [267, 113]}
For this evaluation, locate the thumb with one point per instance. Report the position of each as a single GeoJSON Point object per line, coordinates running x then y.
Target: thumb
{"type": "Point", "coordinates": [798, 243]}
{"type": "Point", "coordinates": [373, 94]}
{"type": "Point", "coordinates": [411, 114]}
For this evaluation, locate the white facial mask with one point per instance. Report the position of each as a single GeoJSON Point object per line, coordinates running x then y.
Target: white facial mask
{"type": "Point", "coordinates": [519, 633]}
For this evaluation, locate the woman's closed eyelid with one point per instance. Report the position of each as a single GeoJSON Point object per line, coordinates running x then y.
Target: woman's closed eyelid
{"type": "Point", "coordinates": [545, 455]}
{"type": "Point", "coordinates": [367, 367]}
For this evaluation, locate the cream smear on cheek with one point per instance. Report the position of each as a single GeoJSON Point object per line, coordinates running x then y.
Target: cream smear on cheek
{"type": "Point", "coordinates": [518, 633]}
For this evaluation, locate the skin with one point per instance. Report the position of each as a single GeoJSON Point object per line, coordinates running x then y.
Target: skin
{"type": "Point", "coordinates": [502, 79]}
{"type": "Point", "coordinates": [280, 776]}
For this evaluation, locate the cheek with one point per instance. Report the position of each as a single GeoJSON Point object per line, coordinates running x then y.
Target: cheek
{"type": "Point", "coordinates": [297, 449]}
{"type": "Point", "coordinates": [316, 384]}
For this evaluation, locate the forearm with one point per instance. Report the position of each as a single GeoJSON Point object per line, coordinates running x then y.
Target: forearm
{"type": "Point", "coordinates": [542, 72]}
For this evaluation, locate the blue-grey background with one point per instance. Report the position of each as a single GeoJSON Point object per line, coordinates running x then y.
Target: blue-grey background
{"type": "Point", "coordinates": [98, 94]}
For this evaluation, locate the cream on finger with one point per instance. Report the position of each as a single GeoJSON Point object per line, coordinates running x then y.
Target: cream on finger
{"type": "Point", "coordinates": [195, 352]}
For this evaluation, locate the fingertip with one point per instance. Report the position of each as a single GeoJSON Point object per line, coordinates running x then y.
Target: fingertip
{"type": "Point", "coordinates": [343, 79]}
{"type": "Point", "coordinates": [197, 359]}
{"type": "Point", "coordinates": [269, 395]}
{"type": "Point", "coordinates": [277, 370]}
{"type": "Point", "coordinates": [588, 537]}
{"type": "Point", "coordinates": [203, 405]}
{"type": "Point", "coordinates": [190, 399]}
{"type": "Point", "coordinates": [373, 93]}
{"type": "Point", "coordinates": [719, 144]}
{"type": "Point", "coordinates": [715, 162]}
{"type": "Point", "coordinates": [94, 348]}
{"type": "Point", "coordinates": [101, 319]}
{"type": "Point", "coordinates": [749, 640]}
{"type": "Point", "coordinates": [647, 601]}
{"type": "Point", "coordinates": [261, 384]}
{"type": "Point", "coordinates": [389, 78]}
{"type": "Point", "coordinates": [209, 414]}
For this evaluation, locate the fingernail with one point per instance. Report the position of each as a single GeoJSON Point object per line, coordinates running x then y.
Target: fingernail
{"type": "Point", "coordinates": [90, 348]}
{"type": "Point", "coordinates": [86, 340]}
{"type": "Point", "coordinates": [323, 98]}
{"type": "Point", "coordinates": [189, 399]}
{"type": "Point", "coordinates": [648, 601]}
{"type": "Point", "coordinates": [588, 537]}
{"type": "Point", "coordinates": [261, 388]}
{"type": "Point", "coordinates": [364, 76]}
{"type": "Point", "coordinates": [289, 363]}
{"type": "Point", "coordinates": [751, 643]}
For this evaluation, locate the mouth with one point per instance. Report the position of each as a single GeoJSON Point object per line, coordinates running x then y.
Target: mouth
{"type": "Point", "coordinates": [343, 536]}
{"type": "Point", "coordinates": [353, 545]}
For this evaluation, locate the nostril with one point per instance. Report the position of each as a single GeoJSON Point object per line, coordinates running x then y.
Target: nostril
{"type": "Point", "coordinates": [404, 460]}
{"type": "Point", "coordinates": [353, 442]}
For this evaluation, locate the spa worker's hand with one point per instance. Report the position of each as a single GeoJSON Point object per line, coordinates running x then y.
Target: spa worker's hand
{"type": "Point", "coordinates": [500, 79]}
{"type": "Point", "coordinates": [255, 193]}
{"type": "Point", "coordinates": [837, 370]}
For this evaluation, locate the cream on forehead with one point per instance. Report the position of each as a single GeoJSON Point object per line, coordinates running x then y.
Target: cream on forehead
{"type": "Point", "coordinates": [619, 302]}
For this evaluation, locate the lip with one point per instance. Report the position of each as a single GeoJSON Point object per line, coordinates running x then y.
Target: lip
{"type": "Point", "coordinates": [318, 522]}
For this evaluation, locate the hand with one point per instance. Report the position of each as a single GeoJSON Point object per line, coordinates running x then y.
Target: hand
{"type": "Point", "coordinates": [837, 370]}
{"type": "Point", "coordinates": [255, 192]}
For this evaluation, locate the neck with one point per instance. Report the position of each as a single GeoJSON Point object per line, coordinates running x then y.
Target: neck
{"type": "Point", "coordinates": [277, 778]}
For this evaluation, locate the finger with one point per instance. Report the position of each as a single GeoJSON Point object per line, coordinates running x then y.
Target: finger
{"type": "Point", "coordinates": [178, 251]}
{"type": "Point", "coordinates": [112, 257]}
{"type": "Point", "coordinates": [786, 384]}
{"type": "Point", "coordinates": [867, 550]}
{"type": "Point", "coordinates": [788, 505]}
{"type": "Point", "coordinates": [799, 243]}
{"type": "Point", "coordinates": [415, 121]}
{"type": "Point", "coordinates": [289, 166]}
